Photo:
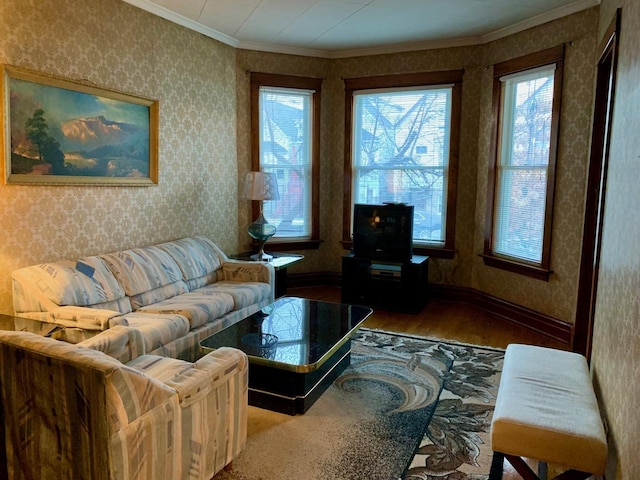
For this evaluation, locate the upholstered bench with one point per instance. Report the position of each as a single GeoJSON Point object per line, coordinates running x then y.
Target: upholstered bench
{"type": "Point", "coordinates": [546, 410]}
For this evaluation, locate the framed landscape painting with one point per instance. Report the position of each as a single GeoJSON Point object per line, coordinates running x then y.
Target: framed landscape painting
{"type": "Point", "coordinates": [58, 131]}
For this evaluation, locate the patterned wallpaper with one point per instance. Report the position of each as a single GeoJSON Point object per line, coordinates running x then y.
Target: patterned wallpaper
{"type": "Point", "coordinates": [120, 47]}
{"type": "Point", "coordinates": [557, 297]}
{"type": "Point", "coordinates": [193, 76]}
{"type": "Point", "coordinates": [616, 343]}
{"type": "Point", "coordinates": [117, 46]}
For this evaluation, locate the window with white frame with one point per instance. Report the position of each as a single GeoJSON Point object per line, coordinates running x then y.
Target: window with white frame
{"type": "Point", "coordinates": [286, 127]}
{"type": "Point", "coordinates": [403, 148]}
{"type": "Point", "coordinates": [527, 102]}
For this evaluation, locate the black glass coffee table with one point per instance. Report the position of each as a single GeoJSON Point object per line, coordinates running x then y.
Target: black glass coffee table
{"type": "Point", "coordinates": [296, 347]}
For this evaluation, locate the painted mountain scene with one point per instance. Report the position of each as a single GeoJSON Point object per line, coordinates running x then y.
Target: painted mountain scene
{"type": "Point", "coordinates": [61, 132]}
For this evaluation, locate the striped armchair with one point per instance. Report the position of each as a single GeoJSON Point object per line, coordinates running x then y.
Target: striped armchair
{"type": "Point", "coordinates": [102, 409]}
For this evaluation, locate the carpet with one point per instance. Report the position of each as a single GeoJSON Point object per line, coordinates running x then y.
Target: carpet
{"type": "Point", "coordinates": [407, 407]}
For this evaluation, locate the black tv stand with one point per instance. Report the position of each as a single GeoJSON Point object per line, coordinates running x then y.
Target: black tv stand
{"type": "Point", "coordinates": [386, 285]}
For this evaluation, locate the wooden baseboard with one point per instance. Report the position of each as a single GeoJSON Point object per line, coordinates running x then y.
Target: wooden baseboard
{"type": "Point", "coordinates": [536, 321]}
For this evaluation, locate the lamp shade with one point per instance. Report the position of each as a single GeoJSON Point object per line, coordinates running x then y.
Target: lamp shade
{"type": "Point", "coordinates": [261, 186]}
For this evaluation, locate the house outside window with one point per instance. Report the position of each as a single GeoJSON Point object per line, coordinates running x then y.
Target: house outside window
{"type": "Point", "coordinates": [285, 135]}
{"type": "Point", "coordinates": [403, 134]}
{"type": "Point", "coordinates": [527, 96]}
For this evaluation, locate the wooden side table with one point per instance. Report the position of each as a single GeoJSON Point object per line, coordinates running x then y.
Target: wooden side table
{"type": "Point", "coordinates": [280, 263]}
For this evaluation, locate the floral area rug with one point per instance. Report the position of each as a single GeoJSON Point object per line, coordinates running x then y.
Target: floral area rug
{"type": "Point", "coordinates": [407, 408]}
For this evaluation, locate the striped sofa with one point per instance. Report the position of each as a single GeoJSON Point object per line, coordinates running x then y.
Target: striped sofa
{"type": "Point", "coordinates": [102, 409]}
{"type": "Point", "coordinates": [121, 389]}
{"type": "Point", "coordinates": [175, 293]}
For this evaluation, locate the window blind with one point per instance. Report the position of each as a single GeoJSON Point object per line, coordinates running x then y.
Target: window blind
{"type": "Point", "coordinates": [525, 132]}
{"type": "Point", "coordinates": [285, 149]}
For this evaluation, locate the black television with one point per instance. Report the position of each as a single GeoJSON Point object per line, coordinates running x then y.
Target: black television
{"type": "Point", "coordinates": [383, 232]}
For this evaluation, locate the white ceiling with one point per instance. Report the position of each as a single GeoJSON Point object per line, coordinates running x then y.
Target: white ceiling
{"type": "Point", "coordinates": [341, 28]}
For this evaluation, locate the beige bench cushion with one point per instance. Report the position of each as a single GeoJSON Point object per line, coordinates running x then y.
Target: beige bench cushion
{"type": "Point", "coordinates": [546, 409]}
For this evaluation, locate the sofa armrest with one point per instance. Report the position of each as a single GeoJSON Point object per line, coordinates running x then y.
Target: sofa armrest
{"type": "Point", "coordinates": [213, 403]}
{"type": "Point", "coordinates": [194, 381]}
{"type": "Point", "coordinates": [122, 343]}
{"type": "Point", "coordinates": [247, 271]}
{"type": "Point", "coordinates": [231, 385]}
{"type": "Point", "coordinates": [192, 384]}
{"type": "Point", "coordinates": [223, 363]}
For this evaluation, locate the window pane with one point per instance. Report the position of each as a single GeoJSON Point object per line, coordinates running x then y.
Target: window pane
{"type": "Point", "coordinates": [519, 221]}
{"type": "Point", "coordinates": [522, 169]}
{"type": "Point", "coordinates": [285, 149]}
{"type": "Point", "coordinates": [401, 151]}
{"type": "Point", "coordinates": [422, 187]}
{"type": "Point", "coordinates": [527, 120]}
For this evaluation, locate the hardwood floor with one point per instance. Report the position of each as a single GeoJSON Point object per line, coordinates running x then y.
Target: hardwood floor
{"type": "Point", "coordinates": [442, 319]}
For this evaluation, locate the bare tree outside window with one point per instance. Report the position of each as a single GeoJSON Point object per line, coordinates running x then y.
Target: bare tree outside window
{"type": "Point", "coordinates": [401, 141]}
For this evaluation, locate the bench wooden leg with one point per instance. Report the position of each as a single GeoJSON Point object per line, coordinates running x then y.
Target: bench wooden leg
{"type": "Point", "coordinates": [573, 475]}
{"type": "Point", "coordinates": [521, 467]}
{"type": "Point", "coordinates": [527, 474]}
{"type": "Point", "coordinates": [497, 465]}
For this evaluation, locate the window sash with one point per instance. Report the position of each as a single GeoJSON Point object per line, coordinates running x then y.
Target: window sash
{"type": "Point", "coordinates": [521, 179]}
{"type": "Point", "coordinates": [378, 171]}
{"type": "Point", "coordinates": [286, 150]}
{"type": "Point", "coordinates": [508, 174]}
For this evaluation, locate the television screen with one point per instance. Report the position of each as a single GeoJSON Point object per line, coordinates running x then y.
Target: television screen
{"type": "Point", "coordinates": [383, 232]}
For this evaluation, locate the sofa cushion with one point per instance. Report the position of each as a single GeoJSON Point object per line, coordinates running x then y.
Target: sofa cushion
{"type": "Point", "coordinates": [85, 282]}
{"type": "Point", "coordinates": [158, 294]}
{"type": "Point", "coordinates": [143, 270]}
{"type": "Point", "coordinates": [198, 259]}
{"type": "Point", "coordinates": [244, 294]}
{"type": "Point", "coordinates": [198, 307]}
{"type": "Point", "coordinates": [157, 330]}
{"type": "Point", "coordinates": [122, 305]}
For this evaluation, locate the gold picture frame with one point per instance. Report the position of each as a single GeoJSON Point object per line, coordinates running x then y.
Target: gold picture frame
{"type": "Point", "coordinates": [62, 132]}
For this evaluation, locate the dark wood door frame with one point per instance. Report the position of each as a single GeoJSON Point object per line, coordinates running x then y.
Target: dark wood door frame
{"type": "Point", "coordinates": [596, 187]}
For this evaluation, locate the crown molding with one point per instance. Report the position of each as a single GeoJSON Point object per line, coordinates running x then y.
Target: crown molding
{"type": "Point", "coordinates": [361, 52]}
{"type": "Point", "coordinates": [407, 47]}
{"type": "Point", "coordinates": [560, 12]}
{"type": "Point", "coordinates": [183, 21]}
{"type": "Point", "coordinates": [286, 49]}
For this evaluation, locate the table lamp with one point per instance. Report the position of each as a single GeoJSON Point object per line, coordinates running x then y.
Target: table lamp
{"type": "Point", "coordinates": [261, 186]}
